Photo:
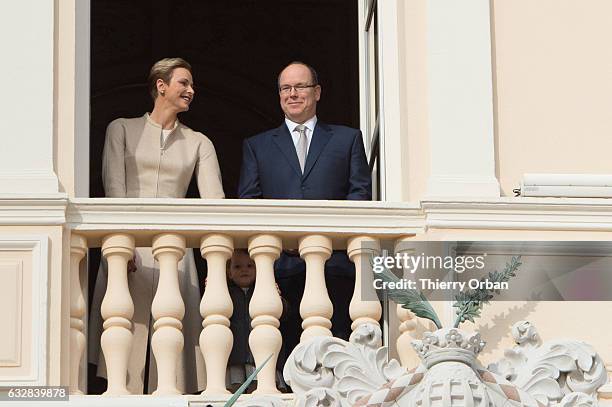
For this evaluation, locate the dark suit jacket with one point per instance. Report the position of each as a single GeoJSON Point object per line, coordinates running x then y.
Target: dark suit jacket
{"type": "Point", "coordinates": [336, 168]}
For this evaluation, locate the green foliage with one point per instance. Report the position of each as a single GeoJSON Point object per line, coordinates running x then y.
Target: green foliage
{"type": "Point", "coordinates": [470, 303]}
{"type": "Point", "coordinates": [246, 384]}
{"type": "Point", "coordinates": [413, 300]}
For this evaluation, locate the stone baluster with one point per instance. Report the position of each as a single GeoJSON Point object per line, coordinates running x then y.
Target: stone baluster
{"type": "Point", "coordinates": [216, 308]}
{"type": "Point", "coordinates": [408, 357]}
{"type": "Point", "coordinates": [265, 310]}
{"type": "Point", "coordinates": [168, 310]}
{"type": "Point", "coordinates": [78, 249]}
{"type": "Point", "coordinates": [117, 311]}
{"type": "Point", "coordinates": [360, 250]}
{"type": "Point", "coordinates": [316, 308]}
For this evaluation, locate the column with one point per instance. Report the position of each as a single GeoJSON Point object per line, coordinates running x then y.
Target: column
{"type": "Point", "coordinates": [168, 310]}
{"type": "Point", "coordinates": [360, 250]}
{"type": "Point", "coordinates": [460, 83]}
{"type": "Point", "coordinates": [265, 310]}
{"type": "Point", "coordinates": [78, 249]}
{"type": "Point", "coordinates": [117, 311]}
{"type": "Point", "coordinates": [216, 308]}
{"type": "Point", "coordinates": [26, 161]}
{"type": "Point", "coordinates": [316, 308]}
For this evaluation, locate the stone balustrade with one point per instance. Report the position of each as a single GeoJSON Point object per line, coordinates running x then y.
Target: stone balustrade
{"type": "Point", "coordinates": [117, 311]}
{"type": "Point", "coordinates": [216, 309]}
{"type": "Point", "coordinates": [106, 225]}
{"type": "Point", "coordinates": [265, 309]}
{"type": "Point", "coordinates": [168, 310]}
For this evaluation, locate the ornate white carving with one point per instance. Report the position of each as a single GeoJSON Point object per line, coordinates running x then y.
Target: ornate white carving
{"type": "Point", "coordinates": [551, 370]}
{"type": "Point", "coordinates": [446, 343]}
{"type": "Point", "coordinates": [332, 372]}
{"type": "Point", "coordinates": [321, 397]}
{"type": "Point", "coordinates": [352, 369]}
{"type": "Point", "coordinates": [578, 400]}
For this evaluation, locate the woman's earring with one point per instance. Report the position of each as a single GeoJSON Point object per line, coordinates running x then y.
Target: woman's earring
{"type": "Point", "coordinates": [162, 92]}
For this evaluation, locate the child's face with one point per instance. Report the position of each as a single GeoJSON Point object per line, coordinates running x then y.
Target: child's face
{"type": "Point", "coordinates": [242, 270]}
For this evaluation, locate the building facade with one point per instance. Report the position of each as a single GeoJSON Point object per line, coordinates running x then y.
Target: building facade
{"type": "Point", "coordinates": [458, 99]}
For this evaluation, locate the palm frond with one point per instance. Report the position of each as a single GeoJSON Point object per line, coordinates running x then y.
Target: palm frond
{"type": "Point", "coordinates": [413, 300]}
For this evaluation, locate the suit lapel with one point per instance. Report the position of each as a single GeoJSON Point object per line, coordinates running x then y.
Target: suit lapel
{"type": "Point", "coordinates": [320, 137]}
{"type": "Point", "coordinates": [282, 139]}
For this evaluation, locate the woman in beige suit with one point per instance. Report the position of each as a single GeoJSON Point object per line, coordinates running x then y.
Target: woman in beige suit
{"type": "Point", "coordinates": [154, 156]}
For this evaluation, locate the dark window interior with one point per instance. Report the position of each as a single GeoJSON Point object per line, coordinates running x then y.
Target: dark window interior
{"type": "Point", "coordinates": [236, 48]}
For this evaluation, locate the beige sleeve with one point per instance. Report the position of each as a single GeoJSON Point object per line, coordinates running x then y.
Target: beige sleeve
{"type": "Point", "coordinates": [208, 172]}
{"type": "Point", "coordinates": [113, 161]}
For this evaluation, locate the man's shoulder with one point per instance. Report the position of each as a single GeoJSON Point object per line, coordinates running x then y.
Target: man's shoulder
{"type": "Point", "coordinates": [340, 130]}
{"type": "Point", "coordinates": [264, 135]}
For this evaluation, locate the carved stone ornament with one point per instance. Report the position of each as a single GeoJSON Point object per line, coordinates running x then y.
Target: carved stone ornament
{"type": "Point", "coordinates": [559, 371]}
{"type": "Point", "coordinates": [331, 372]}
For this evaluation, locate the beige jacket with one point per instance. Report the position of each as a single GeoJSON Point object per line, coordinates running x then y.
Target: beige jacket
{"type": "Point", "coordinates": [136, 164]}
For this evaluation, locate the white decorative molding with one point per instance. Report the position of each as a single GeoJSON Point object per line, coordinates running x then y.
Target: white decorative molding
{"type": "Point", "coordinates": [546, 214]}
{"type": "Point", "coordinates": [11, 287]}
{"type": "Point", "coordinates": [95, 217]}
{"type": "Point", "coordinates": [33, 209]}
{"type": "Point", "coordinates": [263, 401]}
{"type": "Point", "coordinates": [538, 248]}
{"type": "Point", "coordinates": [246, 400]}
{"type": "Point", "coordinates": [341, 217]}
{"type": "Point", "coordinates": [460, 99]}
{"type": "Point", "coordinates": [38, 247]}
{"type": "Point", "coordinates": [135, 401]}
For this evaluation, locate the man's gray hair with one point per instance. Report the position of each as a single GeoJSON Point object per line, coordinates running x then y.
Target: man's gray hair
{"type": "Point", "coordinates": [313, 73]}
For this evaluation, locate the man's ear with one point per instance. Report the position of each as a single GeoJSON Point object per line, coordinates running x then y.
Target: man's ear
{"type": "Point", "coordinates": [317, 90]}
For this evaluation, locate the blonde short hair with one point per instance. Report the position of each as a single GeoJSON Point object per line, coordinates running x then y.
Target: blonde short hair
{"type": "Point", "coordinates": [163, 70]}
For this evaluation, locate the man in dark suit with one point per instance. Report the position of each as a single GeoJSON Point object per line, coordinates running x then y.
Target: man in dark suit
{"type": "Point", "coordinates": [305, 158]}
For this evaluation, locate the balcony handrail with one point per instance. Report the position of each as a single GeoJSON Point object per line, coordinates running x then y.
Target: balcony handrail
{"type": "Point", "coordinates": [95, 217]}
